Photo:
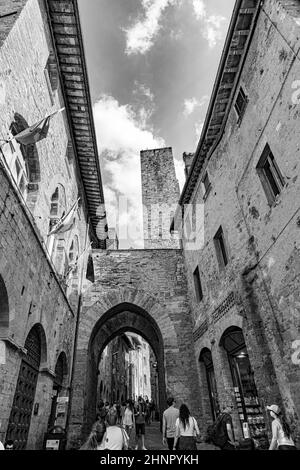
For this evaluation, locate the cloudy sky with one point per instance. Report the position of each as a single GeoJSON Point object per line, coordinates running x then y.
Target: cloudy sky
{"type": "Point", "coordinates": [151, 66]}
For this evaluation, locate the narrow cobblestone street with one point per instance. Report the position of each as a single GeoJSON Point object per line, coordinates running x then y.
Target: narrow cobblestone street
{"type": "Point", "coordinates": [153, 437]}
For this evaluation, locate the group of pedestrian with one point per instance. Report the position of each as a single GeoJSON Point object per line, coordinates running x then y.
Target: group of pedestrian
{"type": "Point", "coordinates": [115, 423]}
{"type": "Point", "coordinates": [181, 431]}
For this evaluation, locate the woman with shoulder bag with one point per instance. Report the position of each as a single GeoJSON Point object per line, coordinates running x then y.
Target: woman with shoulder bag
{"type": "Point", "coordinates": [281, 433]}
{"type": "Point", "coordinates": [187, 430]}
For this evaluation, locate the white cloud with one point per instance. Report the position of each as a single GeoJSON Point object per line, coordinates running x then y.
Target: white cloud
{"type": "Point", "coordinates": [212, 25]}
{"type": "Point", "coordinates": [198, 127]}
{"type": "Point", "coordinates": [142, 89]}
{"type": "Point", "coordinates": [199, 8]}
{"type": "Point", "coordinates": [144, 104]}
{"type": "Point", "coordinates": [121, 135]}
{"type": "Point", "coordinates": [213, 30]}
{"type": "Point", "coordinates": [191, 104]}
{"type": "Point", "coordinates": [140, 37]}
{"type": "Point", "coordinates": [179, 169]}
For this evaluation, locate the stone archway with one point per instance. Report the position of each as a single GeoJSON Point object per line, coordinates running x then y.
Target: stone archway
{"type": "Point", "coordinates": [119, 311]}
{"type": "Point", "coordinates": [120, 319]}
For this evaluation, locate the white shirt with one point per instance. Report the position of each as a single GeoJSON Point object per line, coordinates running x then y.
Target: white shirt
{"type": "Point", "coordinates": [189, 430]}
{"type": "Point", "coordinates": [112, 439]}
{"type": "Point", "coordinates": [128, 417]}
{"type": "Point", "coordinates": [279, 436]}
{"type": "Point", "coordinates": [1, 446]}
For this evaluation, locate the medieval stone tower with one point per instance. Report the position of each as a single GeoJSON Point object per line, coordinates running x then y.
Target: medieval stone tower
{"type": "Point", "coordinates": [160, 196]}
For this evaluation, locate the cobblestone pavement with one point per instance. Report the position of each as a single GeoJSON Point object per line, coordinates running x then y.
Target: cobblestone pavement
{"type": "Point", "coordinates": [153, 439]}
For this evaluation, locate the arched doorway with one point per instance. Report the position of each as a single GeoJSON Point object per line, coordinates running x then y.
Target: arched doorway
{"type": "Point", "coordinates": [123, 318]}
{"type": "Point", "coordinates": [21, 411]}
{"type": "Point", "coordinates": [250, 409]}
{"type": "Point", "coordinates": [61, 372]}
{"type": "Point", "coordinates": [206, 360]}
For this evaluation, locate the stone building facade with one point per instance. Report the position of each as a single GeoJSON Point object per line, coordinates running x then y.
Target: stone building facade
{"type": "Point", "coordinates": [41, 276]}
{"type": "Point", "coordinates": [139, 368]}
{"type": "Point", "coordinates": [114, 369]}
{"type": "Point", "coordinates": [243, 271]}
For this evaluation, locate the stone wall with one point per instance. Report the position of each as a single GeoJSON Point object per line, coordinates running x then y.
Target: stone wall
{"type": "Point", "coordinates": [143, 291]}
{"type": "Point", "coordinates": [262, 240]}
{"type": "Point", "coordinates": [160, 195]}
{"type": "Point", "coordinates": [35, 293]}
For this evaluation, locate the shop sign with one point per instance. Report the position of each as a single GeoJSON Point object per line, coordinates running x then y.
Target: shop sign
{"type": "Point", "coordinates": [52, 444]}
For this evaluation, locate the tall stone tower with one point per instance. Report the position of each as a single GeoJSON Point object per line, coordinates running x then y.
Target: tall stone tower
{"type": "Point", "coordinates": [160, 196]}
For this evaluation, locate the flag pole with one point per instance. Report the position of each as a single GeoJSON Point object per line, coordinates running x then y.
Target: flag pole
{"type": "Point", "coordinates": [36, 124]}
{"type": "Point", "coordinates": [63, 218]}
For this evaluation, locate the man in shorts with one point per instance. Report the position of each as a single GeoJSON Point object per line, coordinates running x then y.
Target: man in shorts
{"type": "Point", "coordinates": [139, 414]}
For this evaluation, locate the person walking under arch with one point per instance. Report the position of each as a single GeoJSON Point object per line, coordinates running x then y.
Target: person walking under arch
{"type": "Point", "coordinates": [128, 418]}
{"type": "Point", "coordinates": [186, 430]}
{"type": "Point", "coordinates": [170, 416]}
{"type": "Point", "coordinates": [139, 415]}
{"type": "Point", "coordinates": [281, 432]}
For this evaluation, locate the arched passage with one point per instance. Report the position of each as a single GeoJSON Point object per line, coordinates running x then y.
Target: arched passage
{"type": "Point", "coordinates": [4, 307]}
{"type": "Point", "coordinates": [111, 309]}
{"type": "Point", "coordinates": [120, 319]}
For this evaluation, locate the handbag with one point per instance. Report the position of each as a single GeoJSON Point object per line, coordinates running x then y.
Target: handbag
{"type": "Point", "coordinates": [125, 439]}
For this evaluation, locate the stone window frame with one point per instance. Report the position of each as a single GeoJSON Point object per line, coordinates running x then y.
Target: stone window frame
{"type": "Point", "coordinates": [240, 108]}
{"type": "Point", "coordinates": [206, 185]}
{"type": "Point", "coordinates": [51, 76]}
{"type": "Point", "coordinates": [221, 248]}
{"type": "Point", "coordinates": [198, 285]}
{"type": "Point", "coordinates": [270, 175]}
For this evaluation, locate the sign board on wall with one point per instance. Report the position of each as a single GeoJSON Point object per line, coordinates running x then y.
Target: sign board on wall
{"type": "Point", "coordinates": [52, 444]}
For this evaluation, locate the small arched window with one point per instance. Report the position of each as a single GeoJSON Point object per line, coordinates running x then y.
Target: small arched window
{"type": "Point", "coordinates": [17, 162]}
{"type": "Point", "coordinates": [23, 162]}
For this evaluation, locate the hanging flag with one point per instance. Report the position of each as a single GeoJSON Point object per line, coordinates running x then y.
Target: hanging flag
{"type": "Point", "coordinates": [66, 222]}
{"type": "Point", "coordinates": [36, 132]}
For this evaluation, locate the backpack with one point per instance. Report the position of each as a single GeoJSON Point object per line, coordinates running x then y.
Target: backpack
{"type": "Point", "coordinates": [217, 432]}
